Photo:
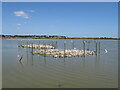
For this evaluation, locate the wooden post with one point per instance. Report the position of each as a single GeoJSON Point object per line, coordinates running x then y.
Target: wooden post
{"type": "Point", "coordinates": [52, 43]}
{"type": "Point", "coordinates": [39, 45]}
{"type": "Point", "coordinates": [27, 51]}
{"type": "Point", "coordinates": [32, 47]}
{"type": "Point", "coordinates": [64, 47]}
{"type": "Point", "coordinates": [32, 60]}
{"type": "Point", "coordinates": [96, 48]}
{"type": "Point", "coordinates": [43, 42]}
{"type": "Point", "coordinates": [27, 43]}
{"type": "Point", "coordinates": [99, 48]}
{"type": "Point", "coordinates": [88, 45]}
{"type": "Point", "coordinates": [56, 45]}
{"type": "Point", "coordinates": [72, 44]}
{"type": "Point", "coordinates": [21, 42]}
{"type": "Point", "coordinates": [45, 50]}
{"type": "Point", "coordinates": [18, 43]}
{"type": "Point", "coordinates": [84, 47]}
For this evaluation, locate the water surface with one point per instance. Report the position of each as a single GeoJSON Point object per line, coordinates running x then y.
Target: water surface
{"type": "Point", "coordinates": [37, 71]}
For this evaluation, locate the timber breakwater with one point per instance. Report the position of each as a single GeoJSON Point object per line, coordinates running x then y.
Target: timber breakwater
{"type": "Point", "coordinates": [53, 49]}
{"type": "Point", "coordinates": [37, 46]}
{"type": "Point", "coordinates": [64, 53]}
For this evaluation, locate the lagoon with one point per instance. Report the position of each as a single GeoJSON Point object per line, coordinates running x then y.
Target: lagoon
{"type": "Point", "coordinates": [37, 71]}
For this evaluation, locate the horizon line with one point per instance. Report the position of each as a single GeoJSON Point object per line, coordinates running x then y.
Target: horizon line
{"type": "Point", "coordinates": [63, 35]}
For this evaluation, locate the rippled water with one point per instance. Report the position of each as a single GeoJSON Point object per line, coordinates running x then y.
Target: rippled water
{"type": "Point", "coordinates": [47, 72]}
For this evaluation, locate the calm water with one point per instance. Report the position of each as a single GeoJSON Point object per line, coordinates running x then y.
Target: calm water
{"type": "Point", "coordinates": [47, 72]}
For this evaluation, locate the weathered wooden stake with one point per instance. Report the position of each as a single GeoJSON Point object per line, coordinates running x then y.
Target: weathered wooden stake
{"type": "Point", "coordinates": [21, 42]}
{"type": "Point", "coordinates": [64, 47]}
{"type": "Point", "coordinates": [96, 49]}
{"type": "Point", "coordinates": [56, 45]}
{"type": "Point", "coordinates": [88, 46]}
{"type": "Point", "coordinates": [18, 43]}
{"type": "Point", "coordinates": [52, 43]}
{"type": "Point", "coordinates": [32, 47]}
{"type": "Point", "coordinates": [43, 42]}
{"type": "Point", "coordinates": [72, 44]}
{"type": "Point", "coordinates": [99, 48]}
{"type": "Point", "coordinates": [45, 50]}
{"type": "Point", "coordinates": [27, 52]}
{"type": "Point", "coordinates": [39, 45]}
{"type": "Point", "coordinates": [27, 43]}
{"type": "Point", "coordinates": [84, 47]}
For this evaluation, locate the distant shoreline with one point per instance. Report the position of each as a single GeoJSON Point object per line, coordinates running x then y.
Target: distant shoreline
{"type": "Point", "coordinates": [67, 38]}
{"type": "Point", "coordinates": [52, 37]}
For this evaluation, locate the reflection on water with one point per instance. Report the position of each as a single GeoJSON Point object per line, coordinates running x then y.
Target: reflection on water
{"type": "Point", "coordinates": [36, 71]}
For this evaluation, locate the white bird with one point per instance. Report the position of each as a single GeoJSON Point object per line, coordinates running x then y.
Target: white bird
{"type": "Point", "coordinates": [75, 48]}
{"type": "Point", "coordinates": [106, 51]}
{"type": "Point", "coordinates": [18, 55]}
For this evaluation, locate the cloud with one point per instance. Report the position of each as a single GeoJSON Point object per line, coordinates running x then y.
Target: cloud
{"type": "Point", "coordinates": [18, 27]}
{"type": "Point", "coordinates": [21, 14]}
{"type": "Point", "coordinates": [19, 24]}
{"type": "Point", "coordinates": [25, 22]}
{"type": "Point", "coordinates": [31, 11]}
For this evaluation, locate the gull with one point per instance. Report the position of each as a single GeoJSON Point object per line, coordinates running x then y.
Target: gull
{"type": "Point", "coordinates": [18, 55]}
{"type": "Point", "coordinates": [75, 48]}
{"type": "Point", "coordinates": [106, 51]}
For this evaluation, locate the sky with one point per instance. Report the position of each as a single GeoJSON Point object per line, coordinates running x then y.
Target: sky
{"type": "Point", "coordinates": [0, 17]}
{"type": "Point", "coordinates": [73, 19]}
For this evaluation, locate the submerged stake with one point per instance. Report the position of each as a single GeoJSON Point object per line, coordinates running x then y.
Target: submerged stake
{"type": "Point", "coordinates": [21, 58]}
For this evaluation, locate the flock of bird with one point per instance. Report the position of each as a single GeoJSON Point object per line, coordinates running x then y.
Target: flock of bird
{"type": "Point", "coordinates": [49, 50]}
{"type": "Point", "coordinates": [64, 53]}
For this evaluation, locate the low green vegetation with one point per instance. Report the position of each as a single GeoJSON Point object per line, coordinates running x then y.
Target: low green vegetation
{"type": "Point", "coordinates": [51, 37]}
